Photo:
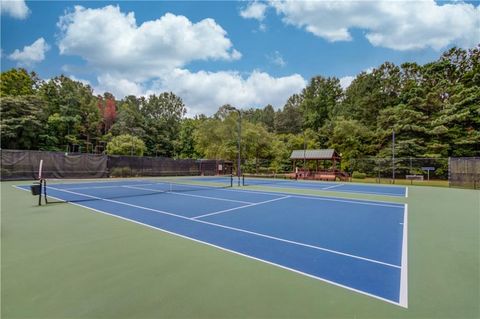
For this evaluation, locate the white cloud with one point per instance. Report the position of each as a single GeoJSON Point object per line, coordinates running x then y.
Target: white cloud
{"type": "Point", "coordinates": [398, 25]}
{"type": "Point", "coordinates": [112, 41]}
{"type": "Point", "coordinates": [15, 8]}
{"type": "Point", "coordinates": [262, 27]}
{"type": "Point", "coordinates": [31, 54]}
{"type": "Point", "coordinates": [150, 59]}
{"type": "Point", "coordinates": [83, 81]}
{"type": "Point", "coordinates": [254, 10]}
{"type": "Point", "coordinates": [346, 81]}
{"type": "Point", "coordinates": [118, 86]}
{"type": "Point", "coordinates": [204, 91]}
{"type": "Point", "coordinates": [277, 59]}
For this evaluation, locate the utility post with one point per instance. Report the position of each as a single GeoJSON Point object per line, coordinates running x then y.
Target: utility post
{"type": "Point", "coordinates": [393, 157]}
{"type": "Point", "coordinates": [239, 142]}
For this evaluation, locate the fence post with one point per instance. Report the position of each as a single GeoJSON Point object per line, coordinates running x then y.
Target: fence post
{"type": "Point", "coordinates": [449, 181]}
{"type": "Point", "coordinates": [393, 157]}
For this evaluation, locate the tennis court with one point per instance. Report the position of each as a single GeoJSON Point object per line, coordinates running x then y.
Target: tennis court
{"type": "Point", "coordinates": [356, 244]}
{"type": "Point", "coordinates": [397, 191]}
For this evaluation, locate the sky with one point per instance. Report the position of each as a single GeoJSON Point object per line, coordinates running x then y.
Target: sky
{"type": "Point", "coordinates": [211, 53]}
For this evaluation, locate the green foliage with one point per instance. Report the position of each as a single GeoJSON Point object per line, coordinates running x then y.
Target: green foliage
{"type": "Point", "coordinates": [185, 144]}
{"type": "Point", "coordinates": [129, 117]}
{"type": "Point", "coordinates": [121, 172]}
{"type": "Point", "coordinates": [16, 82]}
{"type": "Point", "coordinates": [290, 119]}
{"type": "Point", "coordinates": [359, 175]}
{"type": "Point", "coordinates": [434, 110]}
{"type": "Point", "coordinates": [320, 98]}
{"type": "Point", "coordinates": [351, 139]}
{"type": "Point", "coordinates": [126, 145]}
{"type": "Point", "coordinates": [162, 115]}
{"type": "Point", "coordinates": [71, 113]}
{"type": "Point", "coordinates": [21, 121]}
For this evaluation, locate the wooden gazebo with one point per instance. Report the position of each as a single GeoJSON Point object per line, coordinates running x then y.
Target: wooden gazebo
{"type": "Point", "coordinates": [327, 172]}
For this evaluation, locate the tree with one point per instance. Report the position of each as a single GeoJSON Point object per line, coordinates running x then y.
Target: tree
{"type": "Point", "coordinates": [71, 111]}
{"type": "Point", "coordinates": [268, 118]}
{"type": "Point", "coordinates": [16, 82]}
{"type": "Point", "coordinates": [290, 119]}
{"type": "Point", "coordinates": [126, 145]}
{"type": "Point", "coordinates": [129, 118]}
{"type": "Point", "coordinates": [185, 146]}
{"type": "Point", "coordinates": [370, 93]}
{"type": "Point", "coordinates": [350, 138]}
{"type": "Point", "coordinates": [108, 111]}
{"type": "Point", "coordinates": [256, 143]}
{"type": "Point", "coordinates": [320, 98]}
{"type": "Point", "coordinates": [217, 138]}
{"type": "Point", "coordinates": [162, 117]}
{"type": "Point", "coordinates": [21, 122]}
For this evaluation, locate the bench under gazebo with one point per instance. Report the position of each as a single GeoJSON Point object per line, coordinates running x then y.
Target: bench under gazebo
{"type": "Point", "coordinates": [326, 161]}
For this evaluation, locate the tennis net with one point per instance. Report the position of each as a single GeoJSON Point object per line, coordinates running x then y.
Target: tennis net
{"type": "Point", "coordinates": [265, 179]}
{"type": "Point", "coordinates": [61, 191]}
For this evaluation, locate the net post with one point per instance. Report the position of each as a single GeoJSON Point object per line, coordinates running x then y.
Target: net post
{"type": "Point", "coordinates": [44, 191]}
{"type": "Point", "coordinates": [243, 180]}
{"type": "Point", "coordinates": [40, 193]}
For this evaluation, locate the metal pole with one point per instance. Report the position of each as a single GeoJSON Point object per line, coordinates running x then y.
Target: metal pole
{"type": "Point", "coordinates": [239, 159]}
{"type": "Point", "coordinates": [304, 153]}
{"type": "Point", "coordinates": [393, 157]}
{"type": "Point", "coordinates": [449, 176]}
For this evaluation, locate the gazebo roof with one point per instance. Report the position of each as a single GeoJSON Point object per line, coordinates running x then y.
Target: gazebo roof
{"type": "Point", "coordinates": [322, 154]}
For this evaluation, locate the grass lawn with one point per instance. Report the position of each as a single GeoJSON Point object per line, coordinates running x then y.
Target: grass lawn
{"type": "Point", "coordinates": [64, 261]}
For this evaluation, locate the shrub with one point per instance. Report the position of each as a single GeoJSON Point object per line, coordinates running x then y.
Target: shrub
{"type": "Point", "coordinates": [126, 145]}
{"type": "Point", "coordinates": [359, 175]}
{"type": "Point", "coordinates": [121, 172]}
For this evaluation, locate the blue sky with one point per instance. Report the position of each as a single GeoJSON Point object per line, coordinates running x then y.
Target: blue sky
{"type": "Point", "coordinates": [248, 54]}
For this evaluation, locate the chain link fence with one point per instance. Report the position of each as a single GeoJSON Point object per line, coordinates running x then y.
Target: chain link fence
{"type": "Point", "coordinates": [409, 168]}
{"type": "Point", "coordinates": [464, 172]}
{"type": "Point", "coordinates": [24, 165]}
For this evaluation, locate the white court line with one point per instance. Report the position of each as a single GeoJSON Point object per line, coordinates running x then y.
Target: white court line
{"type": "Point", "coordinates": [403, 300]}
{"type": "Point", "coordinates": [345, 191]}
{"type": "Point", "coordinates": [317, 197]}
{"type": "Point", "coordinates": [116, 202]}
{"type": "Point", "coordinates": [231, 251]}
{"type": "Point", "coordinates": [191, 195]}
{"type": "Point", "coordinates": [236, 229]}
{"type": "Point", "coordinates": [314, 197]}
{"type": "Point", "coordinates": [273, 193]}
{"type": "Point", "coordinates": [406, 192]}
{"type": "Point", "coordinates": [235, 208]}
{"type": "Point", "coordinates": [301, 244]}
{"type": "Point", "coordinates": [337, 185]}
{"type": "Point", "coordinates": [91, 187]}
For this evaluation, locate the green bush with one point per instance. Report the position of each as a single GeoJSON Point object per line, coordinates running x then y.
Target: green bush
{"type": "Point", "coordinates": [359, 175]}
{"type": "Point", "coordinates": [126, 145]}
{"type": "Point", "coordinates": [121, 172]}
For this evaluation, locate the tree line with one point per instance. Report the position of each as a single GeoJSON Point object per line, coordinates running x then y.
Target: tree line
{"type": "Point", "coordinates": [434, 110]}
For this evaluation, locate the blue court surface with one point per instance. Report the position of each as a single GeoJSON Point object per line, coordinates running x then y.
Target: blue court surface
{"type": "Point", "coordinates": [357, 245]}
{"type": "Point", "coordinates": [387, 190]}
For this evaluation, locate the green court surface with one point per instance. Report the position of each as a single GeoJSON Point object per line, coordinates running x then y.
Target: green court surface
{"type": "Point", "coordinates": [64, 261]}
